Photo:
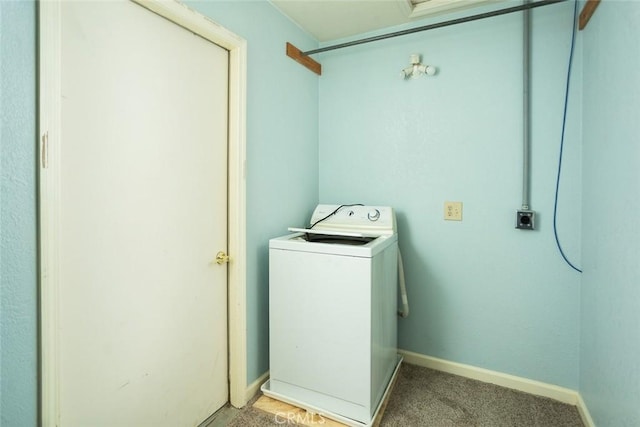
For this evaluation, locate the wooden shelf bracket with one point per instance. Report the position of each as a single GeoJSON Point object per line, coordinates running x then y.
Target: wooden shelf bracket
{"type": "Point", "coordinates": [587, 11]}
{"type": "Point", "coordinates": [296, 54]}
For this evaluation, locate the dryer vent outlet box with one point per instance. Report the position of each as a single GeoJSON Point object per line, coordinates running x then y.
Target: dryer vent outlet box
{"type": "Point", "coordinates": [525, 220]}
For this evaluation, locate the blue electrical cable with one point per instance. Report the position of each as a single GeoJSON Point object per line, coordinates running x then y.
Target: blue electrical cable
{"type": "Point", "coordinates": [564, 122]}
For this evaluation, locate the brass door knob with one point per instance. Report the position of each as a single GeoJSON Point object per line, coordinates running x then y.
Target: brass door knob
{"type": "Point", "coordinates": [222, 258]}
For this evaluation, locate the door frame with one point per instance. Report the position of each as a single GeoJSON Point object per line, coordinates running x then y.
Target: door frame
{"type": "Point", "coordinates": [50, 74]}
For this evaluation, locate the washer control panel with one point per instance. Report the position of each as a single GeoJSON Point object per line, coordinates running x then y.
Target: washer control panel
{"type": "Point", "coordinates": [377, 219]}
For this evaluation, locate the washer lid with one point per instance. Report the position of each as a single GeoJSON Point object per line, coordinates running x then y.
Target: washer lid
{"type": "Point", "coordinates": [330, 232]}
{"type": "Point", "coordinates": [362, 220]}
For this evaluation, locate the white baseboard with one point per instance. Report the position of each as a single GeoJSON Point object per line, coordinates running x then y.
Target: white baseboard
{"type": "Point", "coordinates": [254, 387]}
{"type": "Point", "coordinates": [526, 385]}
{"type": "Point", "coordinates": [584, 413]}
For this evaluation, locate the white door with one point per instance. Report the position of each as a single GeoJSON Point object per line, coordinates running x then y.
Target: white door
{"type": "Point", "coordinates": [142, 304]}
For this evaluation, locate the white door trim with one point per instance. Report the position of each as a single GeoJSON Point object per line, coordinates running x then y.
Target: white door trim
{"type": "Point", "coordinates": [49, 191]}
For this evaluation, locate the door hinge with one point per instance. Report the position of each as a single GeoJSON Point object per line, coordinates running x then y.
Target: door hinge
{"type": "Point", "coordinates": [44, 150]}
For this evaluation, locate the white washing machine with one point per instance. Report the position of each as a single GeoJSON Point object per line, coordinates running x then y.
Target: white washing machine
{"type": "Point", "coordinates": [333, 312]}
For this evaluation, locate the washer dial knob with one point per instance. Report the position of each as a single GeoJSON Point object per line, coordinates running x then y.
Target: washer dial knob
{"type": "Point", "coordinates": [374, 215]}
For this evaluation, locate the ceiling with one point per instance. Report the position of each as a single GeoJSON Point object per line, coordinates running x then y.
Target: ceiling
{"type": "Point", "coordinates": [328, 20]}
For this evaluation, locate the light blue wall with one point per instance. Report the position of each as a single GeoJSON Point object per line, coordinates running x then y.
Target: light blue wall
{"type": "Point", "coordinates": [481, 292]}
{"type": "Point", "coordinates": [610, 338]}
{"type": "Point", "coordinates": [18, 245]}
{"type": "Point", "coordinates": [282, 147]}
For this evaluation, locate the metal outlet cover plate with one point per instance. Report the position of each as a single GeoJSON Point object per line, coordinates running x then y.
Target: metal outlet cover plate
{"type": "Point", "coordinates": [525, 220]}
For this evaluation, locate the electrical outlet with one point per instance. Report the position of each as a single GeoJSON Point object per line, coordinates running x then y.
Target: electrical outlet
{"type": "Point", "coordinates": [525, 220]}
{"type": "Point", "coordinates": [453, 211]}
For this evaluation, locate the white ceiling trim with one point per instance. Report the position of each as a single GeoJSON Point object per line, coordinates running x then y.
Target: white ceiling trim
{"type": "Point", "coordinates": [328, 20]}
{"type": "Point", "coordinates": [436, 7]}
